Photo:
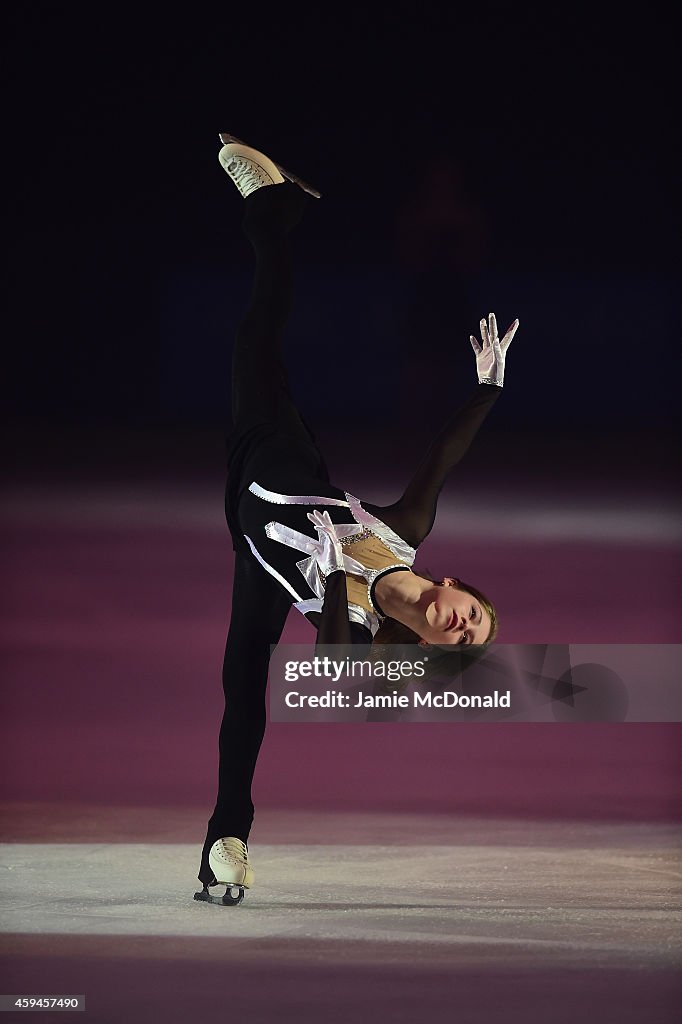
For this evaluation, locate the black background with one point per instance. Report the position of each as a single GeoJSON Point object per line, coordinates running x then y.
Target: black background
{"type": "Point", "coordinates": [122, 225]}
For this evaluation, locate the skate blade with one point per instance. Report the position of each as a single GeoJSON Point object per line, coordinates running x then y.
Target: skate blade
{"type": "Point", "coordinates": [226, 138]}
{"type": "Point", "coordinates": [229, 899]}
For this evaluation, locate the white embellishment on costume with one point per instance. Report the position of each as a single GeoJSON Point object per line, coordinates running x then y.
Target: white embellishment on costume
{"type": "Point", "coordinates": [292, 538]}
{"type": "Point", "coordinates": [308, 568]}
{"type": "Point", "coordinates": [302, 542]}
{"type": "Point", "coordinates": [364, 523]}
{"type": "Point", "coordinates": [356, 613]}
{"type": "Point", "coordinates": [269, 568]}
{"type": "Point", "coordinates": [294, 499]}
{"type": "Point", "coordinates": [400, 548]}
{"type": "Point", "coordinates": [295, 539]}
{"type": "Point", "coordinates": [313, 604]}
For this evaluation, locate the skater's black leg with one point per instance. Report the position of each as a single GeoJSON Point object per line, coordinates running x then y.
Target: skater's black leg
{"type": "Point", "coordinates": [268, 431]}
{"type": "Point", "coordinates": [260, 390]}
{"type": "Point", "coordinates": [267, 427]}
{"type": "Point", "coordinates": [259, 611]}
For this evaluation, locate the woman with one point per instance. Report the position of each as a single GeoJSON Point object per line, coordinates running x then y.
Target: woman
{"type": "Point", "coordinates": [343, 563]}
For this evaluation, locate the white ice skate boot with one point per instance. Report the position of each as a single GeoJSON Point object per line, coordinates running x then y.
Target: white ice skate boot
{"type": "Point", "coordinates": [229, 861]}
{"type": "Point", "coordinates": [250, 169]}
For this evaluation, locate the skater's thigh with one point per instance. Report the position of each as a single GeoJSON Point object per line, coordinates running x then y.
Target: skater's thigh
{"type": "Point", "coordinates": [282, 459]}
{"type": "Point", "coordinates": [259, 612]}
{"type": "Point", "coordinates": [277, 457]}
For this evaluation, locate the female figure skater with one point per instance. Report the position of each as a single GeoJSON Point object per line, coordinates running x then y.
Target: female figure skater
{"type": "Point", "coordinates": [298, 540]}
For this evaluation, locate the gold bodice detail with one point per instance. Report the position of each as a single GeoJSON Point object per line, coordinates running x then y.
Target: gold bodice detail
{"type": "Point", "coordinates": [368, 549]}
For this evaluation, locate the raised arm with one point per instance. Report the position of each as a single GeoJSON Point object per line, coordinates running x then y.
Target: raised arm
{"type": "Point", "coordinates": [413, 515]}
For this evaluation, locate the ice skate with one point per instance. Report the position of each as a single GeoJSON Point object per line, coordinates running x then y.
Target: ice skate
{"type": "Point", "coordinates": [251, 169]}
{"type": "Point", "coordinates": [229, 862]}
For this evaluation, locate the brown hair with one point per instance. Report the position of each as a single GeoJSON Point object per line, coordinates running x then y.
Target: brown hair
{"type": "Point", "coordinates": [391, 631]}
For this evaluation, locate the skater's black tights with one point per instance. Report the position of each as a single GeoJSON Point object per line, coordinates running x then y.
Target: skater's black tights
{"type": "Point", "coordinates": [259, 611]}
{"type": "Point", "coordinates": [262, 407]}
{"type": "Point", "coordinates": [260, 390]}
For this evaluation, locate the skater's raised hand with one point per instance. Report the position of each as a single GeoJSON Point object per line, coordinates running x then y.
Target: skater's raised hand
{"type": "Point", "coordinates": [329, 554]}
{"type": "Point", "coordinates": [490, 351]}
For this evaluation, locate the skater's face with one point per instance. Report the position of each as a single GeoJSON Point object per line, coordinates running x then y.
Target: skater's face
{"type": "Point", "coordinates": [451, 615]}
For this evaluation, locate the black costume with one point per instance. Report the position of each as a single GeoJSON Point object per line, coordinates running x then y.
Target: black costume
{"type": "Point", "coordinates": [276, 475]}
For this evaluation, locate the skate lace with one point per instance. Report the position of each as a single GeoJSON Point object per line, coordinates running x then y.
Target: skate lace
{"type": "Point", "coordinates": [247, 175]}
{"type": "Point", "coordinates": [234, 848]}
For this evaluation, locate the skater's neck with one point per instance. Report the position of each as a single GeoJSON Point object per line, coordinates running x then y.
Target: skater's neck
{"type": "Point", "coordinates": [399, 592]}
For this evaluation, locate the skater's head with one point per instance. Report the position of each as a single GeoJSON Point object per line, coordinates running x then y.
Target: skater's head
{"type": "Point", "coordinates": [447, 613]}
{"type": "Point", "coordinates": [454, 612]}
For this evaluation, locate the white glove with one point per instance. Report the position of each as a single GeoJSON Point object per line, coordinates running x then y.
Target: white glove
{"type": "Point", "coordinates": [329, 553]}
{"type": "Point", "coordinates": [490, 355]}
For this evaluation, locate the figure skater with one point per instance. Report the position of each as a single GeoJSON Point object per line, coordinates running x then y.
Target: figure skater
{"type": "Point", "coordinates": [343, 563]}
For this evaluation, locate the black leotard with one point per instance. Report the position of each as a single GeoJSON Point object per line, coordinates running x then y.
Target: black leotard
{"type": "Point", "coordinates": [281, 484]}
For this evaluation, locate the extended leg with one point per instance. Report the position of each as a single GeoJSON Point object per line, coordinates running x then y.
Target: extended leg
{"type": "Point", "coordinates": [260, 390]}
{"type": "Point", "coordinates": [267, 425]}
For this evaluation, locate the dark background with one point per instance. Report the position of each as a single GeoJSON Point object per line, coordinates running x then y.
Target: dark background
{"type": "Point", "coordinates": [470, 160]}
{"type": "Point", "coordinates": [513, 158]}
{"type": "Point", "coordinates": [543, 141]}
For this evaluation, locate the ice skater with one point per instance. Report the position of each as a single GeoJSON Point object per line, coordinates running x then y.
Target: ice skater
{"type": "Point", "coordinates": [343, 563]}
